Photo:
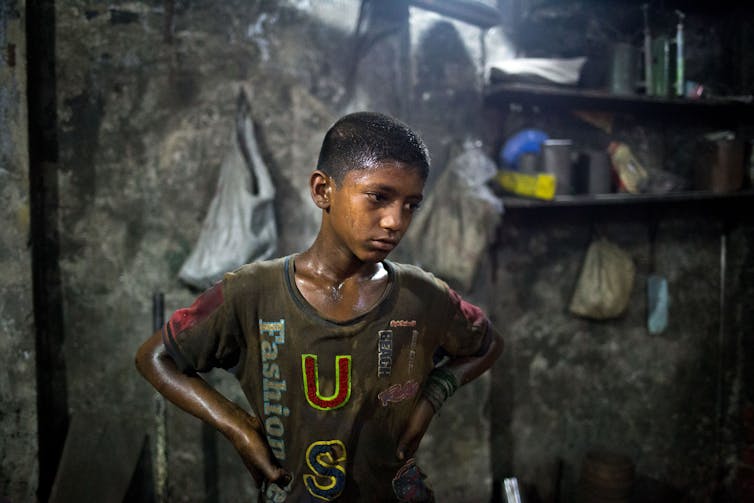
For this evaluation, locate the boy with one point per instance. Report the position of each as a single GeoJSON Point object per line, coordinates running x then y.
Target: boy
{"type": "Point", "coordinates": [336, 348]}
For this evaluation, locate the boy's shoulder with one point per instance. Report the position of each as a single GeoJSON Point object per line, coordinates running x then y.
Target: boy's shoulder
{"type": "Point", "coordinates": [256, 274]}
{"type": "Point", "coordinates": [413, 275]}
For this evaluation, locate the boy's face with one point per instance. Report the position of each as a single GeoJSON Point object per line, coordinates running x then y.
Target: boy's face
{"type": "Point", "coordinates": [371, 209]}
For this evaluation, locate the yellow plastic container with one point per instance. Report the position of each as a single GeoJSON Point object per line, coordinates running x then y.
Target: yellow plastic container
{"type": "Point", "coordinates": [540, 185]}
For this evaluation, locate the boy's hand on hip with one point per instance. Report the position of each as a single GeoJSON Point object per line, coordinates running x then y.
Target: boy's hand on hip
{"type": "Point", "coordinates": [194, 395]}
{"type": "Point", "coordinates": [415, 429]}
{"type": "Point", "coordinates": [257, 456]}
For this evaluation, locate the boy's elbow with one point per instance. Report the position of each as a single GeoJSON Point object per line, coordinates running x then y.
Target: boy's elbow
{"type": "Point", "coordinates": [140, 360]}
{"type": "Point", "coordinates": [146, 356]}
{"type": "Point", "coordinates": [496, 348]}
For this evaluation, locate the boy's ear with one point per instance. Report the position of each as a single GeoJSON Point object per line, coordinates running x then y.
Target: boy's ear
{"type": "Point", "coordinates": [321, 187]}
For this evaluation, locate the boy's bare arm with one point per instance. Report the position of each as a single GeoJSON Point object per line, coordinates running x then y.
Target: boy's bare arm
{"type": "Point", "coordinates": [468, 368]}
{"type": "Point", "coordinates": [192, 393]}
{"type": "Point", "coordinates": [465, 369]}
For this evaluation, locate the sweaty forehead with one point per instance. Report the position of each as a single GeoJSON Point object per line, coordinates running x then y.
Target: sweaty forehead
{"type": "Point", "coordinates": [386, 172]}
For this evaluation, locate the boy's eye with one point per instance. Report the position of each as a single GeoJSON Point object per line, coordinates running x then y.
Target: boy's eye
{"type": "Point", "coordinates": [414, 206]}
{"type": "Point", "coordinates": [377, 197]}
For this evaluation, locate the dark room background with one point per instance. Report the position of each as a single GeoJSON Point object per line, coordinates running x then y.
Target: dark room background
{"type": "Point", "coordinates": [115, 120]}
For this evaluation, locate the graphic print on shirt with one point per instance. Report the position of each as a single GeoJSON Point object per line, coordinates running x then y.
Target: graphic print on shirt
{"type": "Point", "coordinates": [327, 459]}
{"type": "Point", "coordinates": [272, 338]}
{"type": "Point", "coordinates": [384, 353]}
{"type": "Point", "coordinates": [412, 351]}
{"type": "Point", "coordinates": [398, 392]}
{"type": "Point", "coordinates": [276, 494]}
{"type": "Point", "coordinates": [402, 323]}
{"type": "Point", "coordinates": [342, 392]}
{"type": "Point", "coordinates": [386, 346]}
{"type": "Point", "coordinates": [389, 346]}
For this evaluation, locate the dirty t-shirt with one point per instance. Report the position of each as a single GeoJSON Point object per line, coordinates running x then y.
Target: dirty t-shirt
{"type": "Point", "coordinates": [334, 397]}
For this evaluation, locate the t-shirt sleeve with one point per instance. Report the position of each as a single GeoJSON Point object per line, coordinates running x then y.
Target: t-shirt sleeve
{"type": "Point", "coordinates": [205, 335]}
{"type": "Point", "coordinates": [469, 330]}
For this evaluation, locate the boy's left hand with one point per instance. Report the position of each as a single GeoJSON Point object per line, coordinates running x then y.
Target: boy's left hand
{"type": "Point", "coordinates": [415, 429]}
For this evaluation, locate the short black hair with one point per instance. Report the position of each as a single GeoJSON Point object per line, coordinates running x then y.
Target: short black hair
{"type": "Point", "coordinates": [361, 139]}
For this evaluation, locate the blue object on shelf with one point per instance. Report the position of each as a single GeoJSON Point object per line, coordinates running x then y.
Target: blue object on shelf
{"type": "Point", "coordinates": [526, 141]}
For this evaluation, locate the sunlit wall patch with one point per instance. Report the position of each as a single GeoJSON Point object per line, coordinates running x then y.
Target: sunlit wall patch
{"type": "Point", "coordinates": [342, 393]}
{"type": "Point", "coordinates": [384, 353]}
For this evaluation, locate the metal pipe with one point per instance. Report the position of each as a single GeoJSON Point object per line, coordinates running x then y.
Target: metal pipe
{"type": "Point", "coordinates": [720, 352]}
{"type": "Point", "coordinates": [160, 415]}
{"type": "Point", "coordinates": [679, 70]}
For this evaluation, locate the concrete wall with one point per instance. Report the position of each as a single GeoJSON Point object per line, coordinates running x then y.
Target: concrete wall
{"type": "Point", "coordinates": [147, 101]}
{"type": "Point", "coordinates": [671, 402]}
{"type": "Point", "coordinates": [146, 104]}
{"type": "Point", "coordinates": [18, 418]}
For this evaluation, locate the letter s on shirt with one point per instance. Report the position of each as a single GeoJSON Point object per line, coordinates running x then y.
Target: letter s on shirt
{"type": "Point", "coordinates": [327, 459]}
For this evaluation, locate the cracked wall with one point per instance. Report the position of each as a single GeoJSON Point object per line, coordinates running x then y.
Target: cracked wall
{"type": "Point", "coordinates": [18, 419]}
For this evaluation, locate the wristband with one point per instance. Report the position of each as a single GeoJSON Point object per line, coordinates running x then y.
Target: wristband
{"type": "Point", "coordinates": [440, 385]}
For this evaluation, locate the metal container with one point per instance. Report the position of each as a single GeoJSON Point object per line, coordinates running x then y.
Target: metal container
{"type": "Point", "coordinates": [624, 68]}
{"type": "Point", "coordinates": [720, 165]}
{"type": "Point", "coordinates": [529, 163]}
{"type": "Point", "coordinates": [556, 159]}
{"type": "Point", "coordinates": [599, 179]}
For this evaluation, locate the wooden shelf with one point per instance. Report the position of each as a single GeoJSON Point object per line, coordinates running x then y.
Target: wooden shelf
{"type": "Point", "coordinates": [727, 109]}
{"type": "Point", "coordinates": [721, 112]}
{"type": "Point", "coordinates": [744, 196]}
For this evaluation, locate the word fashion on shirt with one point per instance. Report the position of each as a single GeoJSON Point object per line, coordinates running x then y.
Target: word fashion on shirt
{"type": "Point", "coordinates": [273, 387]}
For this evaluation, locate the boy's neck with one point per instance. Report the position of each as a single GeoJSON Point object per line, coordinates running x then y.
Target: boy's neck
{"type": "Point", "coordinates": [339, 288]}
{"type": "Point", "coordinates": [331, 266]}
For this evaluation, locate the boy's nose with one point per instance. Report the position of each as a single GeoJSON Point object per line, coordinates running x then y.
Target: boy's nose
{"type": "Point", "coordinates": [393, 219]}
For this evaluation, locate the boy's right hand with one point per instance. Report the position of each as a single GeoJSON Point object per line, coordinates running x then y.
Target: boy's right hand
{"type": "Point", "coordinates": [194, 395]}
{"type": "Point", "coordinates": [417, 426]}
{"type": "Point", "coordinates": [256, 454]}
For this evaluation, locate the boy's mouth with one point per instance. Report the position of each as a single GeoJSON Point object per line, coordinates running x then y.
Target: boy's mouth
{"type": "Point", "coordinates": [384, 244]}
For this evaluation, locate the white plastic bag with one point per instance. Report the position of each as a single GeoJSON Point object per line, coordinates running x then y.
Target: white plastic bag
{"type": "Point", "coordinates": [240, 224]}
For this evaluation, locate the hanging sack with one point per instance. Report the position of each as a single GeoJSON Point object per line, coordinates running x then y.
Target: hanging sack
{"type": "Point", "coordinates": [458, 221]}
{"type": "Point", "coordinates": [240, 224]}
{"type": "Point", "coordinates": [604, 285]}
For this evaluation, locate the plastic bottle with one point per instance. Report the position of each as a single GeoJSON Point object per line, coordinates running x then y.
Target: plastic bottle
{"type": "Point", "coordinates": [632, 176]}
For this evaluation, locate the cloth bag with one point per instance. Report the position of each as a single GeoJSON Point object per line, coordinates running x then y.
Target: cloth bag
{"type": "Point", "coordinates": [240, 224]}
{"type": "Point", "coordinates": [605, 282]}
